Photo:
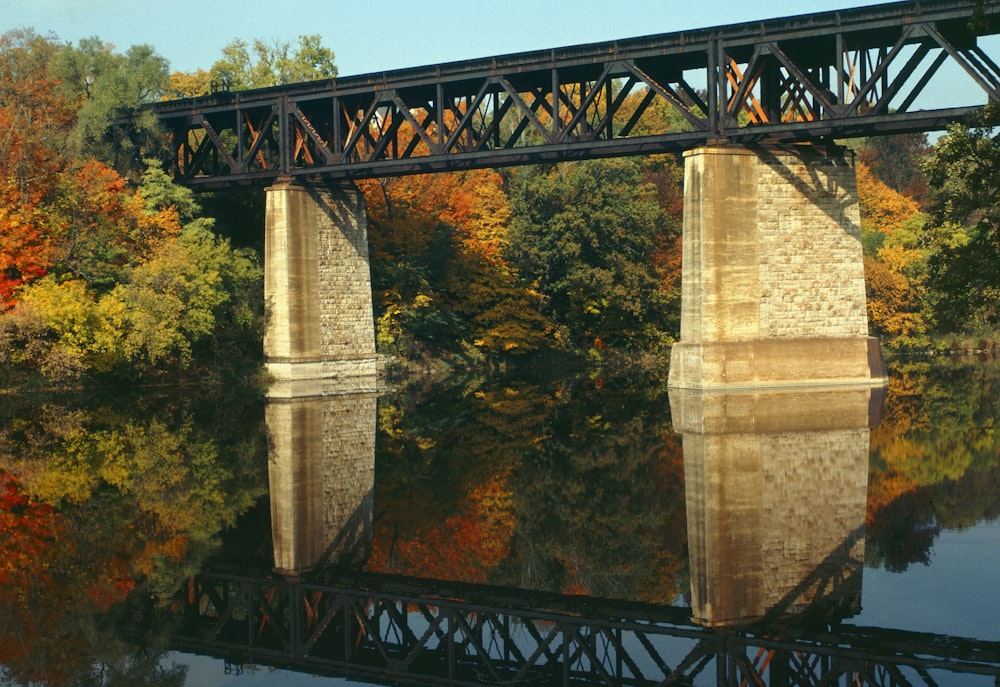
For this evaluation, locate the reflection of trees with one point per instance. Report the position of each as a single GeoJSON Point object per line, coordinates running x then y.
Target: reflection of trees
{"type": "Point", "coordinates": [572, 486]}
{"type": "Point", "coordinates": [600, 503]}
{"type": "Point", "coordinates": [443, 455]}
{"type": "Point", "coordinates": [935, 458]}
{"type": "Point", "coordinates": [112, 501]}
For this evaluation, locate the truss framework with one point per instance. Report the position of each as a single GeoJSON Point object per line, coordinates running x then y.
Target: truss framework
{"type": "Point", "coordinates": [453, 639]}
{"type": "Point", "coordinates": [836, 74]}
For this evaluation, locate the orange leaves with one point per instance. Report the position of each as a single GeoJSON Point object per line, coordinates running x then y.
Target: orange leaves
{"type": "Point", "coordinates": [893, 308]}
{"type": "Point", "coordinates": [99, 225]}
{"type": "Point", "coordinates": [28, 529]}
{"type": "Point", "coordinates": [24, 251]}
{"type": "Point", "coordinates": [895, 261]}
{"type": "Point", "coordinates": [470, 544]}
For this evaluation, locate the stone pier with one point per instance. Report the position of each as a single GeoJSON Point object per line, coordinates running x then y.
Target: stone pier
{"type": "Point", "coordinates": [321, 478]}
{"type": "Point", "coordinates": [773, 285]}
{"type": "Point", "coordinates": [317, 287]}
{"type": "Point", "coordinates": [776, 485]}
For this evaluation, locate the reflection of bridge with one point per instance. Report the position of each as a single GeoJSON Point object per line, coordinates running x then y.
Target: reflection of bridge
{"type": "Point", "coordinates": [417, 632]}
{"type": "Point", "coordinates": [775, 488]}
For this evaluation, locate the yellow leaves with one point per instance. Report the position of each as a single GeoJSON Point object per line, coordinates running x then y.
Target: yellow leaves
{"type": "Point", "coordinates": [882, 208]}
{"type": "Point", "coordinates": [188, 84]}
{"type": "Point", "coordinates": [898, 258]}
{"type": "Point", "coordinates": [895, 275]}
{"type": "Point", "coordinates": [422, 301]}
{"type": "Point", "coordinates": [68, 308]}
{"type": "Point", "coordinates": [893, 306]}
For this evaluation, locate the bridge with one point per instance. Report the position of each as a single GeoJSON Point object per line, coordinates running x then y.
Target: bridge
{"type": "Point", "coordinates": [772, 267]}
{"type": "Point", "coordinates": [831, 75]}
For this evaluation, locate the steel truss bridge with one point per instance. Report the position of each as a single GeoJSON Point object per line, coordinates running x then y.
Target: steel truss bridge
{"type": "Point", "coordinates": [838, 74]}
{"type": "Point", "coordinates": [405, 631]}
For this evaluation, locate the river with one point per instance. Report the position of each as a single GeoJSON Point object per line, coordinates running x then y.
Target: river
{"type": "Point", "coordinates": [588, 529]}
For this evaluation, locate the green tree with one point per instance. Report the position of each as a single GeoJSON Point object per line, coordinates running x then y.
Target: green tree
{"type": "Point", "coordinates": [587, 234]}
{"type": "Point", "coordinates": [265, 64]}
{"type": "Point", "coordinates": [111, 89]}
{"type": "Point", "coordinates": [964, 174]}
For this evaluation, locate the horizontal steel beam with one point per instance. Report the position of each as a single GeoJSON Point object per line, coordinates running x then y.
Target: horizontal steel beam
{"type": "Point", "coordinates": [830, 75]}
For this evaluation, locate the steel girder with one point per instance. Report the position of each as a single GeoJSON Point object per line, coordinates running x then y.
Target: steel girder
{"type": "Point", "coordinates": [475, 636]}
{"type": "Point", "coordinates": [836, 74]}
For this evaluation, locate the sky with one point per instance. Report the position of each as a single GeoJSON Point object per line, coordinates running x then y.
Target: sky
{"type": "Point", "coordinates": [380, 35]}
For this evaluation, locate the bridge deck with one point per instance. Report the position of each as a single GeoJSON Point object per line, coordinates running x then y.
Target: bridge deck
{"type": "Point", "coordinates": [838, 74]}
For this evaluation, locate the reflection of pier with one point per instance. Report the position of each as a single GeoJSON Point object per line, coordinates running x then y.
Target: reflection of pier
{"type": "Point", "coordinates": [321, 473]}
{"type": "Point", "coordinates": [396, 630]}
{"type": "Point", "coordinates": [776, 484]}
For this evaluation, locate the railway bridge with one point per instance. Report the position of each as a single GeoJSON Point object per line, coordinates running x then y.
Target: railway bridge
{"type": "Point", "coordinates": [773, 279]}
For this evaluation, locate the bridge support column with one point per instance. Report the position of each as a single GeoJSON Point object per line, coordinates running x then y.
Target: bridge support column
{"type": "Point", "coordinates": [317, 286]}
{"type": "Point", "coordinates": [773, 285]}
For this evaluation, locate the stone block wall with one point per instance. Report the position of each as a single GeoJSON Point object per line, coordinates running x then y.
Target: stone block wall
{"type": "Point", "coordinates": [317, 283]}
{"type": "Point", "coordinates": [773, 289]}
{"type": "Point", "coordinates": [811, 273]}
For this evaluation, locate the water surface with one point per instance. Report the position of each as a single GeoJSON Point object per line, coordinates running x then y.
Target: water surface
{"type": "Point", "coordinates": [602, 499]}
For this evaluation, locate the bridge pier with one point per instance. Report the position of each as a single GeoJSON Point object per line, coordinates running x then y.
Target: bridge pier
{"type": "Point", "coordinates": [317, 287]}
{"type": "Point", "coordinates": [773, 285]}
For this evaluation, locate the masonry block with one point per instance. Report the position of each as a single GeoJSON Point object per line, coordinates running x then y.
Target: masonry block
{"type": "Point", "coordinates": [773, 289]}
{"type": "Point", "coordinates": [317, 283]}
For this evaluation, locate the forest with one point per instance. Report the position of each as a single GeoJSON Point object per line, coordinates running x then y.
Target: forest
{"type": "Point", "coordinates": [109, 271]}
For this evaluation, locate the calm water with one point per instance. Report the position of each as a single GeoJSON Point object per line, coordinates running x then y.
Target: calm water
{"type": "Point", "coordinates": [599, 523]}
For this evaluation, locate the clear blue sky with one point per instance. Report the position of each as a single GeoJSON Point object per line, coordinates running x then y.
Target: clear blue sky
{"type": "Point", "coordinates": [377, 35]}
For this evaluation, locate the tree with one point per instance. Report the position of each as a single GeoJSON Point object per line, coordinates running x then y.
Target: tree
{"type": "Point", "coordinates": [898, 162]}
{"type": "Point", "coordinates": [261, 65]}
{"type": "Point", "coordinates": [586, 234]}
{"type": "Point", "coordinates": [444, 280]}
{"type": "Point", "coordinates": [110, 90]}
{"type": "Point", "coordinates": [34, 121]}
{"type": "Point", "coordinates": [140, 285]}
{"type": "Point", "coordinates": [964, 174]}
{"type": "Point", "coordinates": [892, 228]}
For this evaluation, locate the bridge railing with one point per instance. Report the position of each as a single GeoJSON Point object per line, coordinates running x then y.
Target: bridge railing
{"type": "Point", "coordinates": [836, 74]}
